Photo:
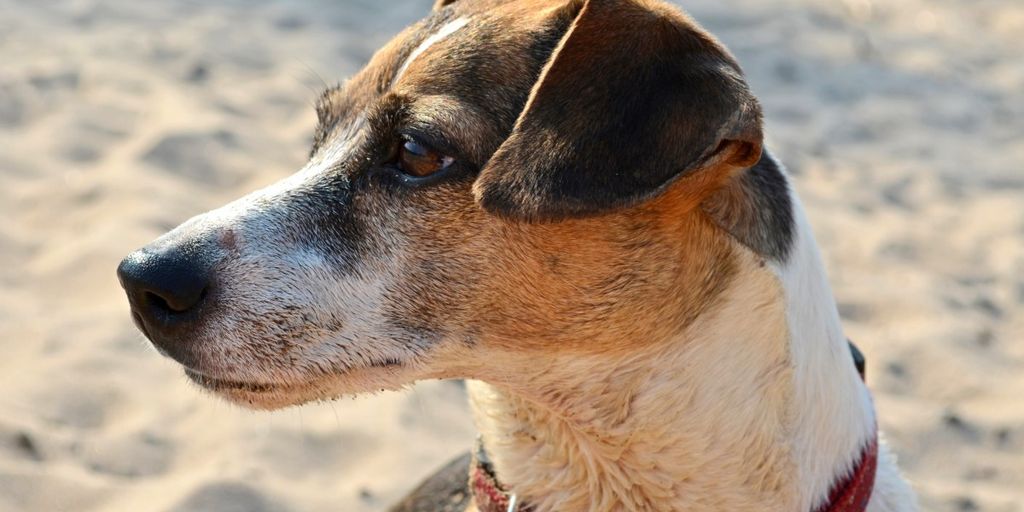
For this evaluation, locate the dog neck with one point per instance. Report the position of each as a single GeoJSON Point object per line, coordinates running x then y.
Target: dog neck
{"type": "Point", "coordinates": [755, 406]}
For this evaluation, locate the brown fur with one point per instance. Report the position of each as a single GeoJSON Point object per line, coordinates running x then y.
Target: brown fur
{"type": "Point", "coordinates": [590, 284]}
{"type": "Point", "coordinates": [640, 273]}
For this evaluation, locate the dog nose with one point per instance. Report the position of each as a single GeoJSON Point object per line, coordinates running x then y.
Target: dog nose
{"type": "Point", "coordinates": [164, 285]}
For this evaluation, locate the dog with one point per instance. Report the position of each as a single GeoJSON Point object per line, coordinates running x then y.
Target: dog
{"type": "Point", "coordinates": [569, 204]}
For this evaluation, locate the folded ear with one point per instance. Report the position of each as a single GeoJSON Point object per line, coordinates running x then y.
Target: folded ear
{"type": "Point", "coordinates": [634, 96]}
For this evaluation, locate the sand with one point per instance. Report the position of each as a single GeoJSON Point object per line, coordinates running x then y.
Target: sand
{"type": "Point", "coordinates": [903, 123]}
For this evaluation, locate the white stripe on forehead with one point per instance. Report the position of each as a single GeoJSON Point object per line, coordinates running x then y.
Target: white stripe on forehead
{"type": "Point", "coordinates": [445, 31]}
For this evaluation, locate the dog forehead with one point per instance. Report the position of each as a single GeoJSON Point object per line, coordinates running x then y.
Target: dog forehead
{"type": "Point", "coordinates": [478, 39]}
{"type": "Point", "coordinates": [458, 50]}
{"type": "Point", "coordinates": [481, 56]}
{"type": "Point", "coordinates": [445, 30]}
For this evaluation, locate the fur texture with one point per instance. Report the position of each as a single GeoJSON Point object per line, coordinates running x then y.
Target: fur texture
{"type": "Point", "coordinates": [656, 337]}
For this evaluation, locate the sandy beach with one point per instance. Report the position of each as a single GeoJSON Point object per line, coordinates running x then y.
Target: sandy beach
{"type": "Point", "coordinates": [901, 122]}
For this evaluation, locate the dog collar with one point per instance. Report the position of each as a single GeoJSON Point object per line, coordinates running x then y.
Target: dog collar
{"type": "Point", "coordinates": [853, 493]}
{"type": "Point", "coordinates": [490, 496]}
{"type": "Point", "coordinates": [850, 494]}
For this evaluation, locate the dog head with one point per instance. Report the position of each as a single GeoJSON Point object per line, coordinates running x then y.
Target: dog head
{"type": "Point", "coordinates": [503, 180]}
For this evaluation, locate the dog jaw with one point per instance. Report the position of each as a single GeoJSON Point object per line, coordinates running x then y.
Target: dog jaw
{"type": "Point", "coordinates": [285, 393]}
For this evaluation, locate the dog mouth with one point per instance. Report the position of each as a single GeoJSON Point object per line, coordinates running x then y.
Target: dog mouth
{"type": "Point", "coordinates": [216, 384]}
{"type": "Point", "coordinates": [276, 394]}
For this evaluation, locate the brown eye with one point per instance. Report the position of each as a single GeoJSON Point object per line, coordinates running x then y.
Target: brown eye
{"type": "Point", "coordinates": [418, 160]}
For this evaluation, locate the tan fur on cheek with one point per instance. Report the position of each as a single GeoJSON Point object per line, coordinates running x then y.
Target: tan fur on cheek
{"type": "Point", "coordinates": [604, 283]}
{"type": "Point", "coordinates": [597, 284]}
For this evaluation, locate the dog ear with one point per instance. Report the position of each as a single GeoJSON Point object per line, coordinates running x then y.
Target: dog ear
{"type": "Point", "coordinates": [632, 97]}
{"type": "Point", "coordinates": [440, 4]}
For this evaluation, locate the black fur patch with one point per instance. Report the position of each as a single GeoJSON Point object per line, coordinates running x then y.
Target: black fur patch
{"type": "Point", "coordinates": [631, 100]}
{"type": "Point", "coordinates": [756, 210]}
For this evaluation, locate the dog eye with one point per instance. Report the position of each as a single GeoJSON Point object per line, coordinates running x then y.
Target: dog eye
{"type": "Point", "coordinates": [418, 160]}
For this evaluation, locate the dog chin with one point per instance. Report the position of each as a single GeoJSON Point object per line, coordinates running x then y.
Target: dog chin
{"type": "Point", "coordinates": [281, 394]}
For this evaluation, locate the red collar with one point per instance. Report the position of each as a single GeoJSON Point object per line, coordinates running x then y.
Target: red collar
{"type": "Point", "coordinates": [851, 494]}
{"type": "Point", "coordinates": [488, 494]}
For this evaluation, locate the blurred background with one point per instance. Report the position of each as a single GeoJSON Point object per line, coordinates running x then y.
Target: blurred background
{"type": "Point", "coordinates": [901, 121]}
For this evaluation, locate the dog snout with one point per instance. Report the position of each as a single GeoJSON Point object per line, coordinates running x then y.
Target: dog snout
{"type": "Point", "coordinates": [166, 286]}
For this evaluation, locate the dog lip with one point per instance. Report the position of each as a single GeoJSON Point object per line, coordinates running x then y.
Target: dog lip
{"type": "Point", "coordinates": [137, 320]}
{"type": "Point", "coordinates": [218, 384]}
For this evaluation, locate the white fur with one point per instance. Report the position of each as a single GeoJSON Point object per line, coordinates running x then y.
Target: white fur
{"type": "Point", "coordinates": [835, 415]}
{"type": "Point", "coordinates": [445, 31]}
